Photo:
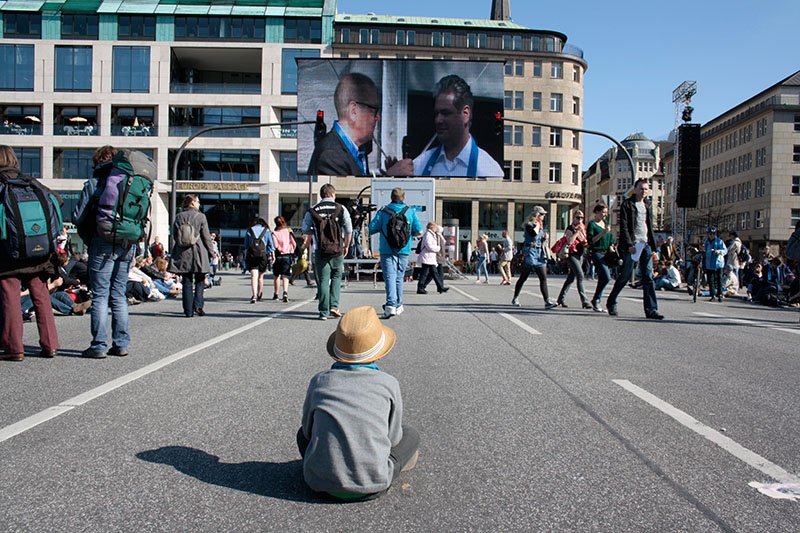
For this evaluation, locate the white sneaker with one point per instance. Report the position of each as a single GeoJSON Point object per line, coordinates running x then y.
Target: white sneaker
{"type": "Point", "coordinates": [389, 311]}
{"type": "Point", "coordinates": [515, 302]}
{"type": "Point", "coordinates": [399, 310]}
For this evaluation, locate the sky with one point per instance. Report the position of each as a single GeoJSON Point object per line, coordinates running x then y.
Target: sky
{"type": "Point", "coordinates": [639, 51]}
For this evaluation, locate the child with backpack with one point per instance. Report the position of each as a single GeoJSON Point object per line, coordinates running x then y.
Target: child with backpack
{"type": "Point", "coordinates": [28, 243]}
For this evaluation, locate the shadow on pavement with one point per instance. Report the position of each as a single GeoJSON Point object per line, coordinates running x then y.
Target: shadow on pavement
{"type": "Point", "coordinates": [276, 480]}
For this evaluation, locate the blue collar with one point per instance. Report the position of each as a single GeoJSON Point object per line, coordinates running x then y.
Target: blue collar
{"type": "Point", "coordinates": [359, 156]}
{"type": "Point", "coordinates": [344, 366]}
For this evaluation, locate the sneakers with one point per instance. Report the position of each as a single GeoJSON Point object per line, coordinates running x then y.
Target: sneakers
{"type": "Point", "coordinates": [285, 298]}
{"type": "Point", "coordinates": [550, 305]}
{"type": "Point", "coordinates": [275, 296]}
{"type": "Point", "coordinates": [389, 311]}
{"type": "Point", "coordinates": [562, 303]}
{"type": "Point", "coordinates": [596, 307]}
{"type": "Point", "coordinates": [81, 308]}
{"type": "Point", "coordinates": [117, 351]}
{"type": "Point", "coordinates": [411, 462]}
{"type": "Point", "coordinates": [515, 302]}
{"type": "Point", "coordinates": [133, 301]}
{"type": "Point", "coordinates": [88, 353]}
{"type": "Point", "coordinates": [399, 310]}
{"type": "Point", "coordinates": [322, 317]}
{"type": "Point", "coordinates": [335, 312]}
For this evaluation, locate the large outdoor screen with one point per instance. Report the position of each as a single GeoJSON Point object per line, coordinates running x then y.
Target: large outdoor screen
{"type": "Point", "coordinates": [387, 117]}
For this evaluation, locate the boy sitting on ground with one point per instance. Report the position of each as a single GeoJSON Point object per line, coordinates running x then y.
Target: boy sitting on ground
{"type": "Point", "coordinates": [352, 439]}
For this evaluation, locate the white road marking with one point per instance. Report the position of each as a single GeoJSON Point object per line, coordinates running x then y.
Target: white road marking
{"type": "Point", "coordinates": [749, 322]}
{"type": "Point", "coordinates": [729, 445]}
{"type": "Point", "coordinates": [459, 291]}
{"type": "Point", "coordinates": [519, 323]}
{"type": "Point", "coordinates": [81, 399]}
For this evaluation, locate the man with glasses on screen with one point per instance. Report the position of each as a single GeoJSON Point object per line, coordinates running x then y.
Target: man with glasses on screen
{"type": "Point", "coordinates": [345, 149]}
{"type": "Point", "coordinates": [457, 154]}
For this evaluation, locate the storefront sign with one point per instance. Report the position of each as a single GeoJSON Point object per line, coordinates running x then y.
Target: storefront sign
{"type": "Point", "coordinates": [212, 186]}
{"type": "Point", "coordinates": [563, 195]}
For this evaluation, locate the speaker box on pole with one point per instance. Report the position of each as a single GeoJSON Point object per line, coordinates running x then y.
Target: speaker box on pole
{"type": "Point", "coordinates": [688, 155]}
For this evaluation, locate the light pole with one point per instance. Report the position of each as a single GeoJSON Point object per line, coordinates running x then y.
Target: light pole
{"type": "Point", "coordinates": [173, 200]}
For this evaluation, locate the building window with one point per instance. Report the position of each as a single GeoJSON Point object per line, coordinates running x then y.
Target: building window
{"type": "Point", "coordinates": [576, 73]}
{"type": "Point", "coordinates": [16, 64]}
{"type": "Point", "coordinates": [537, 69]}
{"type": "Point", "coordinates": [556, 102]}
{"type": "Point", "coordinates": [344, 37]}
{"type": "Point", "coordinates": [797, 123]}
{"type": "Point", "coordinates": [517, 170]}
{"type": "Point", "coordinates": [508, 97]}
{"type": "Point", "coordinates": [555, 173]}
{"type": "Point", "coordinates": [517, 135]}
{"type": "Point", "coordinates": [442, 38]}
{"type": "Point", "coordinates": [79, 26]}
{"type": "Point", "coordinates": [131, 69]}
{"type": "Point", "coordinates": [514, 68]}
{"type": "Point", "coordinates": [557, 69]}
{"type": "Point", "coordinates": [537, 101]}
{"type": "Point", "coordinates": [22, 25]}
{"type": "Point", "coordinates": [576, 140]}
{"type": "Point", "coordinates": [536, 169]}
{"type": "Point", "coordinates": [241, 29]}
{"type": "Point", "coordinates": [289, 67]}
{"type": "Point", "coordinates": [302, 30]}
{"type": "Point", "coordinates": [796, 154]}
{"type": "Point", "coordinates": [576, 105]}
{"type": "Point", "coordinates": [760, 187]}
{"type": "Point", "coordinates": [576, 177]}
{"type": "Point", "coordinates": [288, 167]}
{"type": "Point", "coordinates": [493, 215]}
{"type": "Point", "coordinates": [220, 165]}
{"type": "Point", "coordinates": [507, 132]}
{"type": "Point", "coordinates": [506, 170]}
{"type": "Point", "coordinates": [30, 163]}
{"type": "Point", "coordinates": [795, 184]}
{"type": "Point", "coordinates": [476, 40]}
{"type": "Point", "coordinates": [136, 27]}
{"type": "Point", "coordinates": [73, 164]}
{"type": "Point", "coordinates": [73, 68]}
{"type": "Point", "coordinates": [519, 96]}
{"type": "Point", "coordinates": [758, 222]}
{"type": "Point", "coordinates": [537, 136]}
{"type": "Point", "coordinates": [555, 137]}
{"type": "Point", "coordinates": [795, 217]}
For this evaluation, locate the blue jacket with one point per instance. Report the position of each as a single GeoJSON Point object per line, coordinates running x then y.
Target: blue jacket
{"type": "Point", "coordinates": [378, 225]}
{"type": "Point", "coordinates": [715, 261]}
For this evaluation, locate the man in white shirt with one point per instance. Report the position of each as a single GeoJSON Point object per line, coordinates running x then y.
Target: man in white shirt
{"type": "Point", "coordinates": [457, 154]}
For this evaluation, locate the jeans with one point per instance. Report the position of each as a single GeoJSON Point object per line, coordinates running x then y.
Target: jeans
{"type": "Point", "coordinates": [394, 271]}
{"type": "Point", "coordinates": [329, 282]}
{"type": "Point", "coordinates": [193, 299]}
{"type": "Point", "coordinates": [603, 275]}
{"type": "Point", "coordinates": [646, 275]}
{"type": "Point", "coordinates": [575, 274]}
{"type": "Point", "coordinates": [714, 282]}
{"type": "Point", "coordinates": [108, 272]}
{"type": "Point", "coordinates": [482, 266]}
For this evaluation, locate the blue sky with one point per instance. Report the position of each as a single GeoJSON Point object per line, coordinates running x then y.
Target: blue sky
{"type": "Point", "coordinates": [639, 51]}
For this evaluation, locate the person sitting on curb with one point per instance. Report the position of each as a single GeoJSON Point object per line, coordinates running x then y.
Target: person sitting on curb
{"type": "Point", "coordinates": [352, 438]}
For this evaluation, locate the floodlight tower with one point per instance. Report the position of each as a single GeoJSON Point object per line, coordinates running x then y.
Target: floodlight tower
{"type": "Point", "coordinates": [682, 98]}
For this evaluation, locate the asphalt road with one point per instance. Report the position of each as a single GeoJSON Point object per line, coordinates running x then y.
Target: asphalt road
{"type": "Point", "coordinates": [531, 420]}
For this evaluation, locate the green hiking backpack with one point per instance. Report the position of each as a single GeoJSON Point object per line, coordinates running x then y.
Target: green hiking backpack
{"type": "Point", "coordinates": [123, 206]}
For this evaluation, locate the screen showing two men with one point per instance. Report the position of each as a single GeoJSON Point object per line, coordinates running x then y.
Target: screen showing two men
{"type": "Point", "coordinates": [399, 118]}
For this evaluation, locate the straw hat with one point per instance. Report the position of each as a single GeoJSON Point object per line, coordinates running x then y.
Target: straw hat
{"type": "Point", "coordinates": [360, 337]}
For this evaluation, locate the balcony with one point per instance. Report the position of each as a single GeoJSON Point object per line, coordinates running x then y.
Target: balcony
{"type": "Point", "coordinates": [134, 131]}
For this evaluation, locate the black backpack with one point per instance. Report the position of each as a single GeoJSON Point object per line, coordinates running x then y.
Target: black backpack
{"type": "Point", "coordinates": [257, 249]}
{"type": "Point", "coordinates": [398, 230]}
{"type": "Point", "coordinates": [30, 218]}
{"type": "Point", "coordinates": [330, 242]}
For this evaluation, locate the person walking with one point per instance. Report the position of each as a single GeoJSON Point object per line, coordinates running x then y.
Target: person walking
{"type": "Point", "coordinates": [394, 259]}
{"type": "Point", "coordinates": [35, 273]}
{"type": "Point", "coordinates": [285, 245]}
{"type": "Point", "coordinates": [636, 243]}
{"type": "Point", "coordinates": [576, 243]}
{"type": "Point", "coordinates": [259, 249]}
{"type": "Point", "coordinates": [715, 251]}
{"type": "Point", "coordinates": [734, 248]}
{"type": "Point", "coordinates": [191, 261]}
{"type": "Point", "coordinates": [601, 239]}
{"type": "Point", "coordinates": [505, 258]}
{"type": "Point", "coordinates": [329, 225]}
{"type": "Point", "coordinates": [535, 253]}
{"type": "Point", "coordinates": [428, 260]}
{"type": "Point", "coordinates": [482, 246]}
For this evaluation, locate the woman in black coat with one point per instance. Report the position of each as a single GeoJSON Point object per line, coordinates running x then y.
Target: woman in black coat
{"type": "Point", "coordinates": [190, 254]}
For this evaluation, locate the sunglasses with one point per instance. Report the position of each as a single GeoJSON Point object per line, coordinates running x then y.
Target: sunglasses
{"type": "Point", "coordinates": [375, 109]}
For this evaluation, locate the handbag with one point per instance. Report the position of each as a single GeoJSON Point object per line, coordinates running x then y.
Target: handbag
{"type": "Point", "coordinates": [560, 248]}
{"type": "Point", "coordinates": [612, 257]}
{"type": "Point", "coordinates": [300, 266]}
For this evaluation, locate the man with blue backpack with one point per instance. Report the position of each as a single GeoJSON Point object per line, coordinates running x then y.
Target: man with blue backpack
{"type": "Point", "coordinates": [30, 221]}
{"type": "Point", "coordinates": [112, 217]}
{"type": "Point", "coordinates": [396, 223]}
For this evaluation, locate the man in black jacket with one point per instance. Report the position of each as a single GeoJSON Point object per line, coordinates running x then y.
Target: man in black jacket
{"type": "Point", "coordinates": [636, 243]}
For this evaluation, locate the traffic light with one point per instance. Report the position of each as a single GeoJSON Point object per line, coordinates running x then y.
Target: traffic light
{"type": "Point", "coordinates": [319, 128]}
{"type": "Point", "coordinates": [498, 123]}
